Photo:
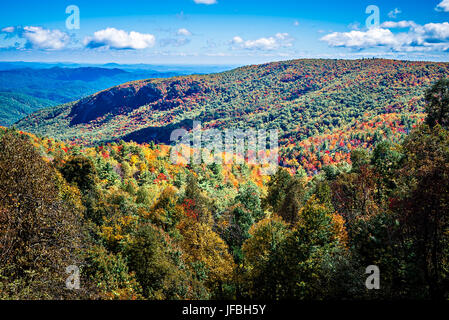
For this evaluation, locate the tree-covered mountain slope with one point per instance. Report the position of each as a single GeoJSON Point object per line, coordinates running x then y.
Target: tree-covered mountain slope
{"type": "Point", "coordinates": [14, 106]}
{"type": "Point", "coordinates": [144, 227]}
{"type": "Point", "coordinates": [26, 90]}
{"type": "Point", "coordinates": [300, 98]}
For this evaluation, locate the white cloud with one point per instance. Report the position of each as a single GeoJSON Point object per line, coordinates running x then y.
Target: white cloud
{"type": "Point", "coordinates": [360, 39]}
{"type": "Point", "coordinates": [237, 39]}
{"type": "Point", "coordinates": [443, 6]}
{"type": "Point", "coordinates": [428, 37]}
{"type": "Point", "coordinates": [184, 32]}
{"type": "Point", "coordinates": [394, 13]}
{"type": "Point", "coordinates": [282, 36]}
{"type": "Point", "coordinates": [38, 37]}
{"type": "Point", "coordinates": [120, 39]}
{"type": "Point", "coordinates": [45, 39]}
{"type": "Point", "coordinates": [266, 43]}
{"type": "Point", "coordinates": [262, 44]}
{"type": "Point", "coordinates": [435, 32]}
{"type": "Point", "coordinates": [8, 29]}
{"type": "Point", "coordinates": [205, 1]}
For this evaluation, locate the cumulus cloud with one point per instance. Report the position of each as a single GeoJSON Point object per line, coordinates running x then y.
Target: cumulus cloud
{"type": "Point", "coordinates": [360, 39]}
{"type": "Point", "coordinates": [120, 40]}
{"type": "Point", "coordinates": [205, 1]}
{"type": "Point", "coordinates": [184, 32]}
{"type": "Point", "coordinates": [280, 40]}
{"type": "Point", "coordinates": [428, 37]}
{"type": "Point", "coordinates": [443, 6]}
{"type": "Point", "coordinates": [38, 37]}
{"type": "Point", "coordinates": [8, 29]}
{"type": "Point", "coordinates": [394, 13]}
{"type": "Point", "coordinates": [437, 30]}
{"type": "Point", "coordinates": [237, 40]}
{"type": "Point", "coordinates": [45, 39]}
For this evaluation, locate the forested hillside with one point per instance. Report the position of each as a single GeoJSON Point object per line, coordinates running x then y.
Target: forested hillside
{"type": "Point", "coordinates": [363, 180]}
{"type": "Point", "coordinates": [25, 90]}
{"type": "Point", "coordinates": [140, 227]}
{"type": "Point", "coordinates": [14, 106]}
{"type": "Point", "coordinates": [347, 103]}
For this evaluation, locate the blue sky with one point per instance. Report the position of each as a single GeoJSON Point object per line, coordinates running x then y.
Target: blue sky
{"type": "Point", "coordinates": [222, 31]}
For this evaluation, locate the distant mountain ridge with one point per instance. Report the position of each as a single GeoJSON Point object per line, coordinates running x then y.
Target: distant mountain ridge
{"type": "Point", "coordinates": [65, 74]}
{"type": "Point", "coordinates": [176, 68]}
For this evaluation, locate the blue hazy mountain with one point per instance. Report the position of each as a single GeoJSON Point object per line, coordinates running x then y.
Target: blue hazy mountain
{"type": "Point", "coordinates": [27, 86]}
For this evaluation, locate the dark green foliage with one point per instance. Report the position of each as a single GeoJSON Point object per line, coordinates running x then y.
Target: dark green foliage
{"type": "Point", "coordinates": [249, 198]}
{"type": "Point", "coordinates": [158, 270]}
{"type": "Point", "coordinates": [110, 273]}
{"type": "Point", "coordinates": [304, 263]}
{"type": "Point", "coordinates": [323, 193]}
{"type": "Point", "coordinates": [285, 195]}
{"type": "Point", "coordinates": [386, 158]}
{"type": "Point", "coordinates": [437, 103]}
{"type": "Point", "coordinates": [425, 205]}
{"type": "Point", "coordinates": [277, 190]}
{"type": "Point", "coordinates": [81, 171]}
{"type": "Point", "coordinates": [293, 201]}
{"type": "Point", "coordinates": [359, 158]}
{"type": "Point", "coordinates": [200, 204]}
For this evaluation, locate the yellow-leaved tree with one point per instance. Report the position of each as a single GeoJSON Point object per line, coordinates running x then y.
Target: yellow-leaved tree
{"type": "Point", "coordinates": [207, 254]}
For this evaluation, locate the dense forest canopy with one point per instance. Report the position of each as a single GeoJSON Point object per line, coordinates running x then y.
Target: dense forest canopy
{"type": "Point", "coordinates": [322, 109]}
{"type": "Point", "coordinates": [141, 227]}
